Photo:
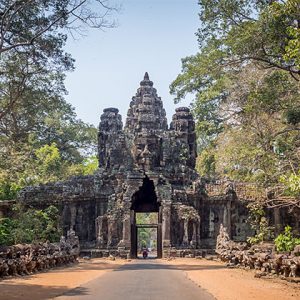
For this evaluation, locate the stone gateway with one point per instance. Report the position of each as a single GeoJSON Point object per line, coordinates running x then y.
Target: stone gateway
{"type": "Point", "coordinates": [145, 166]}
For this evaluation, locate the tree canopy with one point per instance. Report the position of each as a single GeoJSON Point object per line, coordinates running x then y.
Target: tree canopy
{"type": "Point", "coordinates": [41, 137]}
{"type": "Point", "coordinates": [245, 82]}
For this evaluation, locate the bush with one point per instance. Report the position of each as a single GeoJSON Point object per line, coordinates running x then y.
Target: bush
{"type": "Point", "coordinates": [6, 226]}
{"type": "Point", "coordinates": [30, 225]}
{"type": "Point", "coordinates": [259, 224]}
{"type": "Point", "coordinates": [286, 241]}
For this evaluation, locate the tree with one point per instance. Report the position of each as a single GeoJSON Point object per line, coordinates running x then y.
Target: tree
{"type": "Point", "coordinates": [32, 36]}
{"type": "Point", "coordinates": [30, 166]}
{"type": "Point", "coordinates": [286, 241]}
{"type": "Point", "coordinates": [259, 224]}
{"type": "Point", "coordinates": [32, 24]}
{"type": "Point", "coordinates": [36, 123]}
{"type": "Point", "coordinates": [246, 99]}
{"type": "Point", "coordinates": [30, 225]}
{"type": "Point", "coordinates": [260, 31]}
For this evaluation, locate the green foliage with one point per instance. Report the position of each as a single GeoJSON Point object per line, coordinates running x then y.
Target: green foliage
{"type": "Point", "coordinates": [259, 224]}
{"type": "Point", "coordinates": [292, 184]}
{"type": "Point", "coordinates": [293, 116]}
{"type": "Point", "coordinates": [246, 103]}
{"type": "Point", "coordinates": [6, 225]}
{"type": "Point", "coordinates": [48, 160]}
{"type": "Point", "coordinates": [8, 190]}
{"type": "Point", "coordinates": [292, 49]}
{"type": "Point", "coordinates": [90, 165]}
{"type": "Point", "coordinates": [40, 136]}
{"type": "Point", "coordinates": [286, 241]}
{"type": "Point", "coordinates": [30, 166]}
{"type": "Point", "coordinates": [39, 25]}
{"type": "Point", "coordinates": [288, 12]}
{"type": "Point", "coordinates": [261, 31]}
{"type": "Point", "coordinates": [146, 236]}
{"type": "Point", "coordinates": [206, 164]}
{"type": "Point", "coordinates": [30, 225]}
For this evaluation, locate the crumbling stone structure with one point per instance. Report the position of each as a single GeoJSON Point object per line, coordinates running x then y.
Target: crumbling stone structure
{"type": "Point", "coordinates": [25, 259]}
{"type": "Point", "coordinates": [145, 166]}
{"type": "Point", "coordinates": [262, 257]}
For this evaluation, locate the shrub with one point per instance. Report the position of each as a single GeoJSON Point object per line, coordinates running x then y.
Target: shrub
{"type": "Point", "coordinates": [286, 241]}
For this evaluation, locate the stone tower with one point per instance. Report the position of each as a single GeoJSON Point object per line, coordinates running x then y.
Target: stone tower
{"type": "Point", "coordinates": [155, 167]}
{"type": "Point", "coordinates": [144, 167]}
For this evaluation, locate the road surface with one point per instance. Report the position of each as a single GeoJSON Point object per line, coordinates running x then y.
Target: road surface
{"type": "Point", "coordinates": [140, 280]}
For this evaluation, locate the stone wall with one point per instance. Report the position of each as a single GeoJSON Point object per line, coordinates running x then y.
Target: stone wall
{"type": "Point", "coordinates": [101, 207]}
{"type": "Point", "coordinates": [25, 259]}
{"type": "Point", "coordinates": [263, 257]}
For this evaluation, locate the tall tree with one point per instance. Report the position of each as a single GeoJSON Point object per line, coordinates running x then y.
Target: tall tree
{"type": "Point", "coordinates": [246, 90]}
{"type": "Point", "coordinates": [32, 36]}
{"type": "Point", "coordinates": [32, 24]}
{"type": "Point", "coordinates": [261, 31]}
{"type": "Point", "coordinates": [40, 136]}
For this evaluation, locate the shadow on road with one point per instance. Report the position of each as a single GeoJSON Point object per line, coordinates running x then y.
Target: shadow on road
{"type": "Point", "coordinates": [79, 291]}
{"type": "Point", "coordinates": [16, 291]}
{"type": "Point", "coordinates": [151, 265]}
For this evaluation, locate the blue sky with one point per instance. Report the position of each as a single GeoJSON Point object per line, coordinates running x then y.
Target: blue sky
{"type": "Point", "coordinates": [151, 36]}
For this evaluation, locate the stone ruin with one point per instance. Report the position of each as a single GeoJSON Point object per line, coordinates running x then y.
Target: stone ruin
{"type": "Point", "coordinates": [25, 259]}
{"type": "Point", "coordinates": [261, 257]}
{"type": "Point", "coordinates": [145, 166]}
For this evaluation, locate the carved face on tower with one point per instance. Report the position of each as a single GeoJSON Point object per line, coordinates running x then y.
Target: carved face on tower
{"type": "Point", "coordinates": [146, 150]}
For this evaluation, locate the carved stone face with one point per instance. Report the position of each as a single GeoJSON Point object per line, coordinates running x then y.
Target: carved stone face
{"type": "Point", "coordinates": [146, 151]}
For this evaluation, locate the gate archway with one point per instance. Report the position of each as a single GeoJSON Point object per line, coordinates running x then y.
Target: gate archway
{"type": "Point", "coordinates": [145, 201]}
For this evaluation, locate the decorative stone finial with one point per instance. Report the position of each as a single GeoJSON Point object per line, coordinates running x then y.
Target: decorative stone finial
{"type": "Point", "coordinates": [111, 110]}
{"type": "Point", "coordinates": [146, 81]}
{"type": "Point", "coordinates": [146, 77]}
{"type": "Point", "coordinates": [182, 109]}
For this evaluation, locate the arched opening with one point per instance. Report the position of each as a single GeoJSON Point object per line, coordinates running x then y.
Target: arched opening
{"type": "Point", "coordinates": [145, 199]}
{"type": "Point", "coordinates": [146, 220]}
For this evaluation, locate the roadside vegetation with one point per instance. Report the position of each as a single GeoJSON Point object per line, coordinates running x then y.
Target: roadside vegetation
{"type": "Point", "coordinates": [41, 138]}
{"type": "Point", "coordinates": [245, 83]}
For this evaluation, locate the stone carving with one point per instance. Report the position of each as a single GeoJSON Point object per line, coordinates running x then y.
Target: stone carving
{"type": "Point", "coordinates": [144, 158]}
{"type": "Point", "coordinates": [25, 259]}
{"type": "Point", "coordinates": [262, 257]}
{"type": "Point", "coordinates": [144, 166]}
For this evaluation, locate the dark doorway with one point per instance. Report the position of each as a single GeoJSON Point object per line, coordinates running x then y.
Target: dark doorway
{"type": "Point", "coordinates": [146, 219]}
{"type": "Point", "coordinates": [145, 200]}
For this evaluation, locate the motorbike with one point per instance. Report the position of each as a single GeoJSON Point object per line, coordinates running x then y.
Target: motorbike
{"type": "Point", "coordinates": [145, 254]}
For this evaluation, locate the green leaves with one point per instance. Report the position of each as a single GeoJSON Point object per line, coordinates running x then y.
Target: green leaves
{"type": "Point", "coordinates": [30, 225]}
{"type": "Point", "coordinates": [48, 159]}
{"type": "Point", "coordinates": [30, 166]}
{"type": "Point", "coordinates": [291, 183]}
{"type": "Point", "coordinates": [259, 223]}
{"type": "Point", "coordinates": [286, 241]}
{"type": "Point", "coordinates": [6, 225]}
{"type": "Point", "coordinates": [206, 163]}
{"type": "Point", "coordinates": [287, 12]}
{"type": "Point", "coordinates": [245, 101]}
{"type": "Point", "coordinates": [265, 32]}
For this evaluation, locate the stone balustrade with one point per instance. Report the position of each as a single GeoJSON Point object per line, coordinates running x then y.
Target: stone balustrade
{"type": "Point", "coordinates": [262, 258]}
{"type": "Point", "coordinates": [25, 259]}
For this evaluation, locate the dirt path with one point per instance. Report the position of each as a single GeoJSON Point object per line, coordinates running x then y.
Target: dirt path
{"type": "Point", "coordinates": [235, 284]}
{"type": "Point", "coordinates": [221, 282]}
{"type": "Point", "coordinates": [55, 282]}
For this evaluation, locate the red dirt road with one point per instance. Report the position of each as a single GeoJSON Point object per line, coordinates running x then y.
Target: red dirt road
{"type": "Point", "coordinates": [212, 276]}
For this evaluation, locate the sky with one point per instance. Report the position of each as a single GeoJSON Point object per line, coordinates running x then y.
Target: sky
{"type": "Point", "coordinates": [152, 36]}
